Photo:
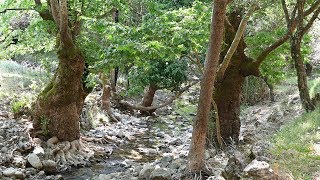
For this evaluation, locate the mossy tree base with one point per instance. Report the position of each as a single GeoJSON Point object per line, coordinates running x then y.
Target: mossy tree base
{"type": "Point", "coordinates": [58, 108]}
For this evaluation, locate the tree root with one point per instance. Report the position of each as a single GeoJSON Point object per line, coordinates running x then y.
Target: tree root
{"type": "Point", "coordinates": [69, 154]}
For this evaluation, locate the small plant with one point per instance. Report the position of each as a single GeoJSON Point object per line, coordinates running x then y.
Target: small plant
{"type": "Point", "coordinates": [315, 87]}
{"type": "Point", "coordinates": [19, 107]}
{"type": "Point", "coordinates": [44, 122]}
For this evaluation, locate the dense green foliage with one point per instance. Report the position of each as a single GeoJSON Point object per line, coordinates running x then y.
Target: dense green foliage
{"type": "Point", "coordinates": [151, 52]}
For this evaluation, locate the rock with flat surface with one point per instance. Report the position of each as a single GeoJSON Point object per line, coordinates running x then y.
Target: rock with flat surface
{"type": "Point", "coordinates": [259, 170]}
{"type": "Point", "coordinates": [9, 172]}
{"type": "Point", "coordinates": [35, 161]}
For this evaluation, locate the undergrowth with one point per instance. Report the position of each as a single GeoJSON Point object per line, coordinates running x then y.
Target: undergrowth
{"type": "Point", "coordinates": [293, 146]}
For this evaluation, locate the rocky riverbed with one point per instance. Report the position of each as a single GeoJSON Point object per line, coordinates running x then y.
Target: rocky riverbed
{"type": "Point", "coordinates": [153, 147]}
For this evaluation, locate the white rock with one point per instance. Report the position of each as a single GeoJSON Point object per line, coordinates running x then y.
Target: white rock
{"type": "Point", "coordinates": [35, 161]}
{"type": "Point", "coordinates": [9, 172]}
{"type": "Point", "coordinates": [38, 150]}
{"type": "Point", "coordinates": [259, 170]}
{"type": "Point", "coordinates": [49, 166]}
{"type": "Point", "coordinates": [19, 175]}
{"type": "Point", "coordinates": [256, 165]}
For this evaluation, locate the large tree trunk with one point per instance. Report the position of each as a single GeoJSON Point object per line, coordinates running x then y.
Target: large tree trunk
{"type": "Point", "coordinates": [200, 127]}
{"type": "Point", "coordinates": [58, 108]}
{"type": "Point", "coordinates": [227, 97]}
{"type": "Point", "coordinates": [228, 88]}
{"type": "Point", "coordinates": [148, 99]}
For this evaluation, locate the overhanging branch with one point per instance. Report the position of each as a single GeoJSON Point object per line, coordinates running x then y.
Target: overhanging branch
{"type": "Point", "coordinates": [312, 19]}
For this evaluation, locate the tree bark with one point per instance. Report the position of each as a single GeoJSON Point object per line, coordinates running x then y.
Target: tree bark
{"type": "Point", "coordinates": [148, 99]}
{"type": "Point", "coordinates": [58, 108]}
{"type": "Point", "coordinates": [198, 141]}
{"type": "Point", "coordinates": [227, 97]}
{"type": "Point", "coordinates": [301, 75]}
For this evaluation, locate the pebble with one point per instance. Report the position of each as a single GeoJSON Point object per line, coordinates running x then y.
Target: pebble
{"type": "Point", "coordinates": [9, 172]}
{"type": "Point", "coordinates": [35, 161]}
{"type": "Point", "coordinates": [4, 149]}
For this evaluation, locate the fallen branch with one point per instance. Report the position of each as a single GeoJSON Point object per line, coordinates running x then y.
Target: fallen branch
{"type": "Point", "coordinates": [151, 108]}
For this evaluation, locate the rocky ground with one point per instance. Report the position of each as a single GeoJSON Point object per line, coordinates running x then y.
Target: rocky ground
{"type": "Point", "coordinates": [145, 147]}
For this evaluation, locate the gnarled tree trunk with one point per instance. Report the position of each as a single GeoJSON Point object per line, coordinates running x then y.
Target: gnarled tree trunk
{"type": "Point", "coordinates": [227, 97]}
{"type": "Point", "coordinates": [228, 88]}
{"type": "Point", "coordinates": [58, 108]}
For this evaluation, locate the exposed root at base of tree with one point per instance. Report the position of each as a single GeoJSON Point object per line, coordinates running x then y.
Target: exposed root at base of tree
{"type": "Point", "coordinates": [67, 154]}
{"type": "Point", "coordinates": [77, 153]}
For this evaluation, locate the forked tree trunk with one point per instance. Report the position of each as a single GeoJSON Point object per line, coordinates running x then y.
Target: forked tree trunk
{"type": "Point", "coordinates": [148, 99]}
{"type": "Point", "coordinates": [228, 87]}
{"type": "Point", "coordinates": [58, 108]}
{"type": "Point", "coordinates": [200, 127]}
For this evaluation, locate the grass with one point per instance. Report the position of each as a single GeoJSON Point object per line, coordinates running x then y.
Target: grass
{"type": "Point", "coordinates": [185, 108]}
{"type": "Point", "coordinates": [314, 86]}
{"type": "Point", "coordinates": [293, 149]}
{"type": "Point", "coordinates": [16, 78]}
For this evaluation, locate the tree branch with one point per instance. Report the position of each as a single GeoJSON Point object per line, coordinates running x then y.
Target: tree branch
{"type": "Point", "coordinates": [313, 18]}
{"type": "Point", "coordinates": [65, 34]}
{"type": "Point", "coordinates": [55, 9]}
{"type": "Point", "coordinates": [16, 9]}
{"type": "Point", "coordinates": [312, 8]}
{"type": "Point", "coordinates": [44, 13]}
{"type": "Point", "coordinates": [285, 10]}
{"type": "Point", "coordinates": [226, 61]}
{"type": "Point", "coordinates": [151, 108]}
{"type": "Point", "coordinates": [270, 48]}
